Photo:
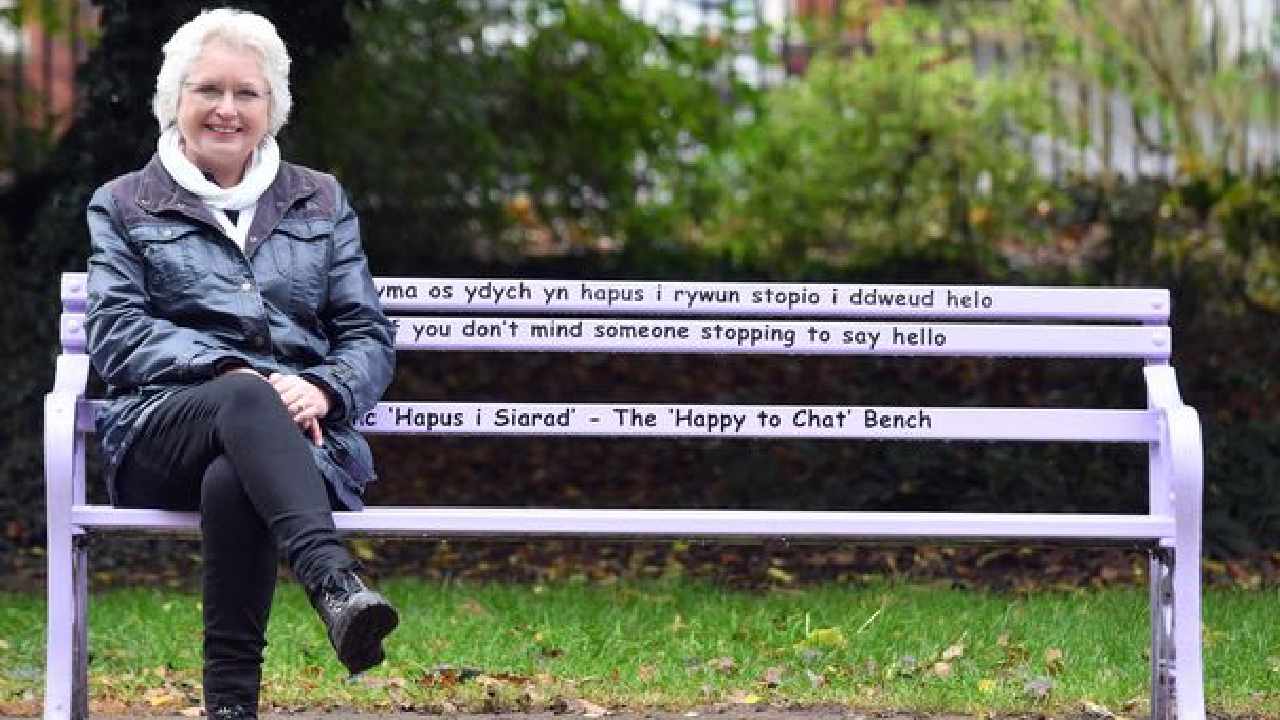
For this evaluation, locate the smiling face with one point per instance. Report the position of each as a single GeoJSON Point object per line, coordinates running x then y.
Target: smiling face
{"type": "Point", "coordinates": [223, 110]}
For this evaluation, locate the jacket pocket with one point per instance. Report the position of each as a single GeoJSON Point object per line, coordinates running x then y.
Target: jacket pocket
{"type": "Point", "coordinates": [169, 254]}
{"type": "Point", "coordinates": [302, 254]}
{"type": "Point", "coordinates": [349, 451]}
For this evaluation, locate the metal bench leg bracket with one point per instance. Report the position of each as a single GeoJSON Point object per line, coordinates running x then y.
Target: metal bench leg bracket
{"type": "Point", "coordinates": [1163, 668]}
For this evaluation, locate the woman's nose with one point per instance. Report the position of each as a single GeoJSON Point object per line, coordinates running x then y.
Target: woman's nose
{"type": "Point", "coordinates": [226, 105]}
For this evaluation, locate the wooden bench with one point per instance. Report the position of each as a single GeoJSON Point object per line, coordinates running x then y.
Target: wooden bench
{"type": "Point", "coordinates": [731, 318]}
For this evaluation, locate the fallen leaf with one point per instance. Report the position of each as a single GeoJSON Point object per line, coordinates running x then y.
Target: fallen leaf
{"type": "Point", "coordinates": [447, 676]}
{"type": "Point", "coordinates": [722, 664]}
{"type": "Point", "coordinates": [1053, 660]}
{"type": "Point", "coordinates": [550, 652]}
{"type": "Point", "coordinates": [826, 638]}
{"type": "Point", "coordinates": [1038, 688]}
{"type": "Point", "coordinates": [942, 669]}
{"type": "Point", "coordinates": [363, 549]}
{"type": "Point", "coordinates": [780, 575]}
{"type": "Point", "coordinates": [1093, 709]}
{"type": "Point", "coordinates": [471, 606]}
{"type": "Point", "coordinates": [376, 683]}
{"type": "Point", "coordinates": [578, 706]}
{"type": "Point", "coordinates": [161, 697]}
{"type": "Point", "coordinates": [810, 655]}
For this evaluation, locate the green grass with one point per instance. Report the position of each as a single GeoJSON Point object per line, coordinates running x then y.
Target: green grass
{"type": "Point", "coordinates": [679, 643]}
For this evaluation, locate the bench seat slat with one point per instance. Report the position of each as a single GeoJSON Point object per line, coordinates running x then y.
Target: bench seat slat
{"type": "Point", "coordinates": [521, 522]}
{"type": "Point", "coordinates": [744, 421]}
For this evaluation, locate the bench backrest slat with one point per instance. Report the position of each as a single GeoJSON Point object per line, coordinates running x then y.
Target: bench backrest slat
{"type": "Point", "coordinates": [772, 299]}
{"type": "Point", "coordinates": [645, 297]}
{"type": "Point", "coordinates": [645, 335]}
{"type": "Point", "coordinates": [762, 421]}
{"type": "Point", "coordinates": [816, 422]}
{"type": "Point", "coordinates": [756, 337]}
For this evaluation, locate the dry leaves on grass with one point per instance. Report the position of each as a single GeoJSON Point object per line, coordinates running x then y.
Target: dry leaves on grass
{"type": "Point", "coordinates": [578, 706]}
{"type": "Point", "coordinates": [1053, 660]}
{"type": "Point", "coordinates": [772, 676]}
{"type": "Point", "coordinates": [446, 676]}
{"type": "Point", "coordinates": [722, 665]}
{"type": "Point", "coordinates": [1097, 712]}
{"type": "Point", "coordinates": [953, 652]}
{"type": "Point", "coordinates": [1038, 688]}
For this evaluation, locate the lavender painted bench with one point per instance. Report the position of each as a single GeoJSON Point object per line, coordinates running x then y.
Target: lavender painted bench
{"type": "Point", "coordinates": [734, 318]}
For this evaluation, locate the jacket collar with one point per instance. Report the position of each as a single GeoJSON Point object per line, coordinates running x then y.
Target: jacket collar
{"type": "Point", "coordinates": [159, 193]}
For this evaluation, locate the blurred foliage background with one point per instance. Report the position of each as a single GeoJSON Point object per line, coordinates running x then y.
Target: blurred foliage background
{"type": "Point", "coordinates": [1074, 142]}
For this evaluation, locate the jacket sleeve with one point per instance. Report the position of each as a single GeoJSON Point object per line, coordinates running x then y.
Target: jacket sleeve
{"type": "Point", "coordinates": [362, 357]}
{"type": "Point", "coordinates": [130, 344]}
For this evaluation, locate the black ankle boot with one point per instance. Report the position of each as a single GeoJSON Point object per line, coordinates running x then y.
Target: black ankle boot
{"type": "Point", "coordinates": [232, 712]}
{"type": "Point", "coordinates": [357, 618]}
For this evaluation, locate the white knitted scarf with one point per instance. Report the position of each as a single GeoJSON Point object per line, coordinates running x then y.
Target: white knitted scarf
{"type": "Point", "coordinates": [263, 166]}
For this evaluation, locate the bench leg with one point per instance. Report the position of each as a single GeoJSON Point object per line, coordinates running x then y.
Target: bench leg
{"type": "Point", "coordinates": [1162, 647]}
{"type": "Point", "coordinates": [59, 628]}
{"type": "Point", "coordinates": [1186, 636]}
{"type": "Point", "coordinates": [66, 695]}
{"type": "Point", "coordinates": [80, 629]}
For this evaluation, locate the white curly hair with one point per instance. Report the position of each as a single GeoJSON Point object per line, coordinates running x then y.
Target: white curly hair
{"type": "Point", "coordinates": [239, 29]}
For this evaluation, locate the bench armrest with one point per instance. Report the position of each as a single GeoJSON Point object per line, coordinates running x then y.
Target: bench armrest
{"type": "Point", "coordinates": [71, 375]}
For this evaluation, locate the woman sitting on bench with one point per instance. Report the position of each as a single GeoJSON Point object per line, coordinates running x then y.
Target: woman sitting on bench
{"type": "Point", "coordinates": [233, 317]}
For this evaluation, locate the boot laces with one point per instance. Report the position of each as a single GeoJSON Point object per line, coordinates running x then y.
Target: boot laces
{"type": "Point", "coordinates": [231, 712]}
{"type": "Point", "coordinates": [338, 587]}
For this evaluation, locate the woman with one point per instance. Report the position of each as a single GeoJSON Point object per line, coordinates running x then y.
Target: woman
{"type": "Point", "coordinates": [233, 317]}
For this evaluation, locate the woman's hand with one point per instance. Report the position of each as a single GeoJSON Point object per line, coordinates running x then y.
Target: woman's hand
{"type": "Point", "coordinates": [305, 402]}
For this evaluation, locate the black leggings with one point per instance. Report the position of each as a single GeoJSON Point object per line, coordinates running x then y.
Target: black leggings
{"type": "Point", "coordinates": [229, 448]}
